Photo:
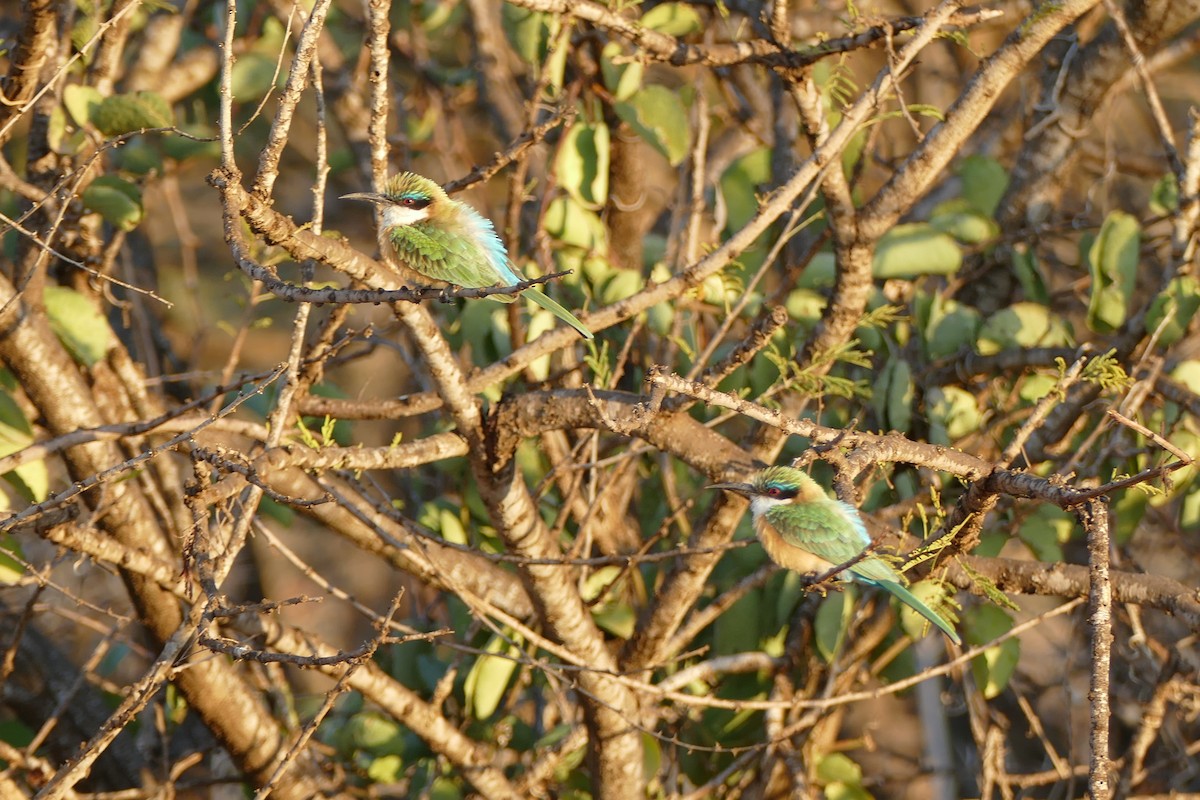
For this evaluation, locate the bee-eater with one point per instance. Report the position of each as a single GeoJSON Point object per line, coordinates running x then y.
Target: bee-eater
{"type": "Point", "coordinates": [448, 241]}
{"type": "Point", "coordinates": [805, 530]}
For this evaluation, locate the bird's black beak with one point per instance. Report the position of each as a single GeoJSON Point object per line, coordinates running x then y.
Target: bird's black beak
{"type": "Point", "coordinates": [741, 488]}
{"type": "Point", "coordinates": [369, 197]}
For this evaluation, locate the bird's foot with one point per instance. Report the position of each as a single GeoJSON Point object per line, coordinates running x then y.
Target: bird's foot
{"type": "Point", "coordinates": [445, 296]}
{"type": "Point", "coordinates": [813, 583]}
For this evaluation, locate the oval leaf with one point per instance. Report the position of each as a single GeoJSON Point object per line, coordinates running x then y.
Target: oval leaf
{"type": "Point", "coordinates": [952, 327]}
{"type": "Point", "coordinates": [82, 102]}
{"type": "Point", "coordinates": [908, 251]}
{"type": "Point", "coordinates": [620, 79]}
{"type": "Point", "coordinates": [1174, 309]}
{"type": "Point", "coordinates": [489, 676]}
{"type": "Point", "coordinates": [953, 413]}
{"type": "Point", "coordinates": [117, 200]}
{"type": "Point", "coordinates": [1021, 325]}
{"type": "Point", "coordinates": [124, 113]}
{"type": "Point", "coordinates": [984, 183]}
{"type": "Point", "coordinates": [582, 163]}
{"type": "Point", "coordinates": [1113, 262]}
{"type": "Point", "coordinates": [660, 117]}
{"type": "Point", "coordinates": [572, 224]}
{"type": "Point", "coordinates": [80, 326]}
{"type": "Point", "coordinates": [32, 479]}
{"type": "Point", "coordinates": [833, 617]}
{"type": "Point", "coordinates": [674, 19]}
{"type": "Point", "coordinates": [893, 395]}
{"type": "Point", "coordinates": [994, 666]}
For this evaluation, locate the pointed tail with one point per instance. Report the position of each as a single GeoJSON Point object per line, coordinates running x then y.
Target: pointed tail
{"type": "Point", "coordinates": [910, 600]}
{"type": "Point", "coordinates": [550, 304]}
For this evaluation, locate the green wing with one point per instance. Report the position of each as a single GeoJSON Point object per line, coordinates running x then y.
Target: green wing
{"type": "Point", "coordinates": [453, 259]}
{"type": "Point", "coordinates": [832, 530]}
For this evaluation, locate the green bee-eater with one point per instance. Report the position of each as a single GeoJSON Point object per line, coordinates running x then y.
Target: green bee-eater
{"type": "Point", "coordinates": [805, 530]}
{"type": "Point", "coordinates": [448, 241]}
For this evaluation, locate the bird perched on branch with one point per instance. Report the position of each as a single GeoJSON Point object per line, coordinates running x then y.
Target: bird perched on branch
{"type": "Point", "coordinates": [805, 530]}
{"type": "Point", "coordinates": [448, 241]}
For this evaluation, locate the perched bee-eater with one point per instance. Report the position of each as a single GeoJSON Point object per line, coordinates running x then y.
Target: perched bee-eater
{"type": "Point", "coordinates": [448, 241]}
{"type": "Point", "coordinates": [805, 530]}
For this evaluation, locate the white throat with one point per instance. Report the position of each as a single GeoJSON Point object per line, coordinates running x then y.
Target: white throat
{"type": "Point", "coordinates": [399, 216]}
{"type": "Point", "coordinates": [761, 504]}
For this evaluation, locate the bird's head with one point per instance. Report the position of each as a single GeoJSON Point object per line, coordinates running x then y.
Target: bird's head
{"type": "Point", "coordinates": [407, 198]}
{"type": "Point", "coordinates": [774, 485]}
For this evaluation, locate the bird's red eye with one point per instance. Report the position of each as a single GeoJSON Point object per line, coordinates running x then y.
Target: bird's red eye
{"type": "Point", "coordinates": [773, 491]}
{"type": "Point", "coordinates": [408, 201]}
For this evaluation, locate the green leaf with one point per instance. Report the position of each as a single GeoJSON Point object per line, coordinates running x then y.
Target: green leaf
{"type": "Point", "coordinates": [372, 732]}
{"type": "Point", "coordinates": [651, 755]}
{"type": "Point", "coordinates": [445, 789]}
{"type": "Point", "coordinates": [1029, 274]}
{"type": "Point", "coordinates": [79, 325]}
{"type": "Point", "coordinates": [254, 74]}
{"type": "Point", "coordinates": [953, 413]}
{"type": "Point", "coordinates": [528, 31]}
{"type": "Point", "coordinates": [1113, 262]}
{"type": "Point", "coordinates": [621, 284]}
{"type": "Point", "coordinates": [984, 182]}
{"type": "Point", "coordinates": [674, 19]}
{"type": "Point", "coordinates": [1046, 530]}
{"type": "Point", "coordinates": [32, 479]}
{"type": "Point", "coordinates": [805, 306]}
{"type": "Point", "coordinates": [61, 137]}
{"type": "Point", "coordinates": [893, 396]}
{"type": "Point", "coordinates": [386, 769]}
{"type": "Point", "coordinates": [117, 200]}
{"type": "Point", "coordinates": [139, 158]}
{"type": "Point", "coordinates": [1035, 387]}
{"type": "Point", "coordinates": [451, 527]}
{"type": "Point", "coordinates": [583, 159]}
{"type": "Point", "coordinates": [82, 102]}
{"type": "Point", "coordinates": [737, 630]}
{"type": "Point", "coordinates": [740, 184]}
{"type": "Point", "coordinates": [489, 677]}
{"type": "Point", "coordinates": [1164, 196]}
{"type": "Point", "coordinates": [574, 225]}
{"type": "Point", "coordinates": [621, 80]}
{"type": "Point", "coordinates": [908, 251]}
{"type": "Point", "coordinates": [842, 791]}
{"type": "Point", "coordinates": [1174, 309]}
{"type": "Point", "coordinates": [832, 620]}
{"type": "Point", "coordinates": [1188, 373]}
{"type": "Point", "coordinates": [124, 113]}
{"type": "Point", "coordinates": [790, 594]}
{"type": "Point", "coordinates": [1189, 511]}
{"type": "Point", "coordinates": [1021, 325]}
{"type": "Point", "coordinates": [660, 117]}
{"type": "Point", "coordinates": [838, 768]}
{"type": "Point", "coordinates": [11, 569]}
{"type": "Point", "coordinates": [952, 328]}
{"type": "Point", "coordinates": [617, 618]}
{"type": "Point", "coordinates": [994, 667]}
{"type": "Point", "coordinates": [599, 581]}
{"type": "Point", "coordinates": [181, 147]}
{"type": "Point", "coordinates": [966, 225]}
{"type": "Point", "coordinates": [421, 127]}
